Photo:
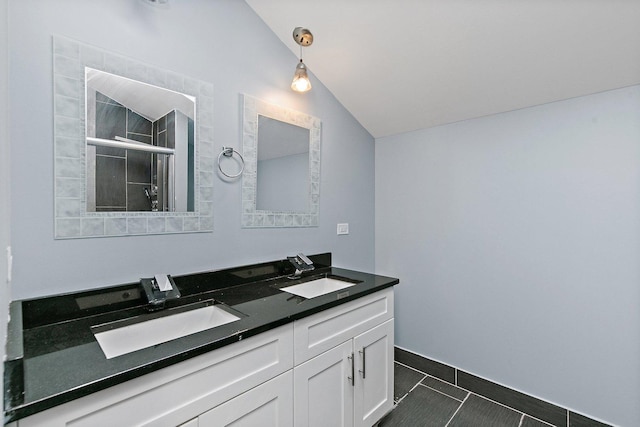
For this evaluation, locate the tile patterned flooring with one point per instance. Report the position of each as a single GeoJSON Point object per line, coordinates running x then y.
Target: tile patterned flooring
{"type": "Point", "coordinates": [423, 400]}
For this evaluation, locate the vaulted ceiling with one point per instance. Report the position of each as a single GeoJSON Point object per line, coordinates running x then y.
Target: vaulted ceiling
{"type": "Point", "coordinates": [402, 65]}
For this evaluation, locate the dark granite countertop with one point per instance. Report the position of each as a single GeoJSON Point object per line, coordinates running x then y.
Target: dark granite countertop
{"type": "Point", "coordinates": [53, 357]}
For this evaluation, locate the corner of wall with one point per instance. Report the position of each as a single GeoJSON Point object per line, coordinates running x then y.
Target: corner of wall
{"type": "Point", "coordinates": [5, 294]}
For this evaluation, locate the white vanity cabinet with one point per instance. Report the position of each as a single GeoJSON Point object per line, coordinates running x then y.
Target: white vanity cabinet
{"type": "Point", "coordinates": [181, 392]}
{"type": "Point", "coordinates": [344, 364]}
{"type": "Point", "coordinates": [333, 368]}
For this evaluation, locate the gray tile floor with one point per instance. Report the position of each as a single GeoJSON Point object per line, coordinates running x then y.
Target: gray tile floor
{"type": "Point", "coordinates": [422, 400]}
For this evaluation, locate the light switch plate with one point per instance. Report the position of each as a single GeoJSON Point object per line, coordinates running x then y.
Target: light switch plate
{"type": "Point", "coordinates": [343, 228]}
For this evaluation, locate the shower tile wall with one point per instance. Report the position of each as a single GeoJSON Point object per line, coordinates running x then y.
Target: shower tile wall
{"type": "Point", "coordinates": [122, 175]}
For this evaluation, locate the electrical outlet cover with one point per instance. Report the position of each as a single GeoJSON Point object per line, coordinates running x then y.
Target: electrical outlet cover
{"type": "Point", "coordinates": [343, 228]}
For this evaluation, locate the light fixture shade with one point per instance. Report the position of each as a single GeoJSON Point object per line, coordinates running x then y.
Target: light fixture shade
{"type": "Point", "coordinates": [301, 82]}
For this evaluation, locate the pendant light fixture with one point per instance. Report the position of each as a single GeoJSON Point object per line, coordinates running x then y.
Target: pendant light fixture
{"type": "Point", "coordinates": [301, 82]}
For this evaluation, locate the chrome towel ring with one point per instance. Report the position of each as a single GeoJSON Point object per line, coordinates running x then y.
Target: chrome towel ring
{"type": "Point", "coordinates": [228, 152]}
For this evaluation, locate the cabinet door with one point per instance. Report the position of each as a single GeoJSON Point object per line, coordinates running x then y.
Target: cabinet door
{"type": "Point", "coordinates": [323, 389]}
{"type": "Point", "coordinates": [322, 331]}
{"type": "Point", "coordinates": [374, 374]}
{"type": "Point", "coordinates": [268, 405]}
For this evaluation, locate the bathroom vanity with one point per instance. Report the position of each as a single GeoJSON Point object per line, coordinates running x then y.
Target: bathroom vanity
{"type": "Point", "coordinates": [277, 359]}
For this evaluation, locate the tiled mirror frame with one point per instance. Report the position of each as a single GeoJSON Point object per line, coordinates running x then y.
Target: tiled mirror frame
{"type": "Point", "coordinates": [252, 217]}
{"type": "Point", "coordinates": [70, 58]}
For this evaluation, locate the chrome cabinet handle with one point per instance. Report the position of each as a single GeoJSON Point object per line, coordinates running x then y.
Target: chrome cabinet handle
{"type": "Point", "coordinates": [363, 371]}
{"type": "Point", "coordinates": [352, 378]}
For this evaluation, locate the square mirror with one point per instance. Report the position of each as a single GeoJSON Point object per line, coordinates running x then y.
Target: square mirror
{"type": "Point", "coordinates": [281, 181]}
{"type": "Point", "coordinates": [133, 146]}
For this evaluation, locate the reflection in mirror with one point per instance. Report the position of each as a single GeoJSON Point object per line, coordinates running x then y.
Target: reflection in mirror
{"type": "Point", "coordinates": [283, 166]}
{"type": "Point", "coordinates": [281, 181]}
{"type": "Point", "coordinates": [140, 146]}
{"type": "Point", "coordinates": [83, 145]}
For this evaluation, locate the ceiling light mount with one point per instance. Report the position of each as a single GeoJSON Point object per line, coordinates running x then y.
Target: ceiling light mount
{"type": "Point", "coordinates": [301, 82]}
{"type": "Point", "coordinates": [161, 3]}
{"type": "Point", "coordinates": [302, 36]}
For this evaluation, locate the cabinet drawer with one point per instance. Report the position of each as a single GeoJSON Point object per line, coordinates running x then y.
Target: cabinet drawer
{"type": "Point", "coordinates": [178, 393]}
{"type": "Point", "coordinates": [322, 331]}
{"type": "Point", "coordinates": [268, 405]}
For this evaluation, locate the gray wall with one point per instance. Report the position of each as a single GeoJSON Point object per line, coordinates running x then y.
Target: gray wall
{"type": "Point", "coordinates": [516, 238]}
{"type": "Point", "coordinates": [5, 294]}
{"type": "Point", "coordinates": [222, 42]}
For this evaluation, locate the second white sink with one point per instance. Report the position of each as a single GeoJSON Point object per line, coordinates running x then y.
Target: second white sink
{"type": "Point", "coordinates": [126, 339]}
{"type": "Point", "coordinates": [318, 287]}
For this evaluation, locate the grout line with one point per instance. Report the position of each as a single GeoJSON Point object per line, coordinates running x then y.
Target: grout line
{"type": "Point", "coordinates": [539, 420]}
{"type": "Point", "coordinates": [442, 393]}
{"type": "Point", "coordinates": [412, 388]}
{"type": "Point", "coordinates": [497, 403]}
{"type": "Point", "coordinates": [457, 410]}
{"type": "Point", "coordinates": [411, 367]}
{"type": "Point", "coordinates": [447, 383]}
{"type": "Point", "coordinates": [417, 384]}
{"type": "Point", "coordinates": [509, 407]}
{"type": "Point", "coordinates": [401, 399]}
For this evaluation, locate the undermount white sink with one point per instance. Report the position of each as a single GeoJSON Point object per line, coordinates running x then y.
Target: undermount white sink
{"type": "Point", "coordinates": [318, 287]}
{"type": "Point", "coordinates": [126, 339]}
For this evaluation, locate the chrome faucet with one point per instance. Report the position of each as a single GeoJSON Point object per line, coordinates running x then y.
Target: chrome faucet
{"type": "Point", "coordinates": [158, 290]}
{"type": "Point", "coordinates": [301, 264]}
{"type": "Point", "coordinates": [152, 196]}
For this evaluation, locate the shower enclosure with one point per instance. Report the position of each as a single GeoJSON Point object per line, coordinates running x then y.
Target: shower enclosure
{"type": "Point", "coordinates": [137, 160]}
